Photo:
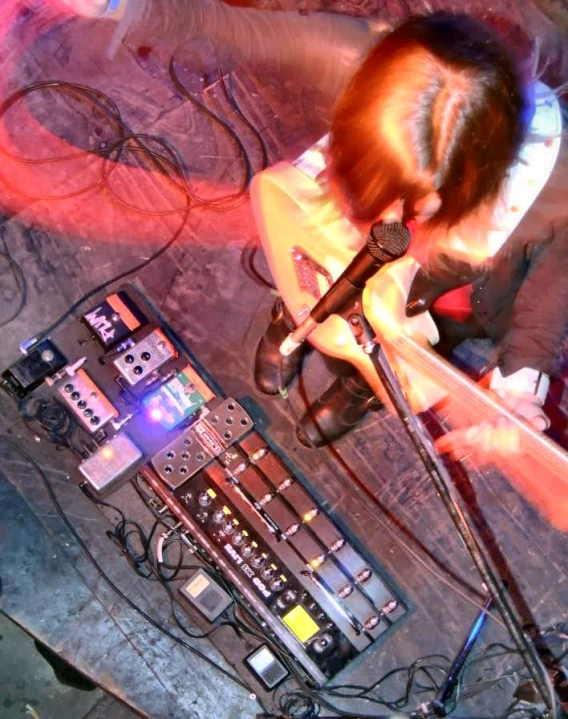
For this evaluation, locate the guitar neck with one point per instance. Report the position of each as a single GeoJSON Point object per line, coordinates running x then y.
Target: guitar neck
{"type": "Point", "coordinates": [478, 405]}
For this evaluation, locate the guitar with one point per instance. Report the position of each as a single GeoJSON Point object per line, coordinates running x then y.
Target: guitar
{"type": "Point", "coordinates": [308, 243]}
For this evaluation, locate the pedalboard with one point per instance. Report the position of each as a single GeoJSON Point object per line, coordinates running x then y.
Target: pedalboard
{"type": "Point", "coordinates": [134, 402]}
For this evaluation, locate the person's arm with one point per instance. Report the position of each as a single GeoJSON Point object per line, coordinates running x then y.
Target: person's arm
{"type": "Point", "coordinates": [540, 314]}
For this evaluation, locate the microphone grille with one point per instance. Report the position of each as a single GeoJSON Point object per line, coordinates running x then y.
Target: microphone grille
{"type": "Point", "coordinates": [388, 241]}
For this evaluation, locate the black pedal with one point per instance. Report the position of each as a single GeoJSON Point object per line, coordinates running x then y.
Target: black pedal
{"type": "Point", "coordinates": [206, 595]}
{"type": "Point", "coordinates": [29, 372]}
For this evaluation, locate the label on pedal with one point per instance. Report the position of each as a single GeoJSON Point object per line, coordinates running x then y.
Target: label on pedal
{"type": "Point", "coordinates": [116, 318]}
{"type": "Point", "coordinates": [209, 439]}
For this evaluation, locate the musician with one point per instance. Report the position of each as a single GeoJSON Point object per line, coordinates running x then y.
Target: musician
{"type": "Point", "coordinates": [430, 118]}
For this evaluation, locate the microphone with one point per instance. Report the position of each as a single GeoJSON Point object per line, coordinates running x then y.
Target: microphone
{"type": "Point", "coordinates": [386, 243]}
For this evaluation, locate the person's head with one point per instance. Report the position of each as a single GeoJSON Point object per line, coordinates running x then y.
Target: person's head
{"type": "Point", "coordinates": [434, 117]}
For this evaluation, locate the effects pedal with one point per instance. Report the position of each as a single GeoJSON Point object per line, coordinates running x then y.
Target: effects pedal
{"type": "Point", "coordinates": [86, 401]}
{"type": "Point", "coordinates": [202, 442]}
{"type": "Point", "coordinates": [145, 357]}
{"type": "Point", "coordinates": [110, 463]}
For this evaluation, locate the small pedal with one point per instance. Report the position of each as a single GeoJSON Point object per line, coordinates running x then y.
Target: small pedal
{"type": "Point", "coordinates": [86, 401]}
{"type": "Point", "coordinates": [110, 463]}
{"type": "Point", "coordinates": [114, 319]}
{"type": "Point", "coordinates": [147, 356]}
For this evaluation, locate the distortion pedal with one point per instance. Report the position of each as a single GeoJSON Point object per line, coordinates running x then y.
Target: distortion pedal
{"type": "Point", "coordinates": [114, 319]}
{"type": "Point", "coordinates": [178, 398]}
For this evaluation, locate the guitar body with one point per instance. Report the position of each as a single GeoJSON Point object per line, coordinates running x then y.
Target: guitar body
{"type": "Point", "coordinates": [305, 258]}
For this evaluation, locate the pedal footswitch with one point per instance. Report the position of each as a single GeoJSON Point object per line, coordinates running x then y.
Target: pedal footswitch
{"type": "Point", "coordinates": [266, 667]}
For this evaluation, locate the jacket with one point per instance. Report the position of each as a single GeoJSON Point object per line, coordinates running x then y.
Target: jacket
{"type": "Point", "coordinates": [519, 298]}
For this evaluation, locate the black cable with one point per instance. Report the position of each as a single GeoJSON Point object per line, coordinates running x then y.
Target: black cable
{"type": "Point", "coordinates": [20, 282]}
{"type": "Point", "coordinates": [54, 419]}
{"type": "Point", "coordinates": [165, 565]}
{"type": "Point", "coordinates": [247, 258]}
{"type": "Point", "coordinates": [241, 195]}
{"type": "Point", "coordinates": [244, 119]}
{"type": "Point", "coordinates": [84, 487]}
{"type": "Point", "coordinates": [105, 576]}
{"type": "Point", "coordinates": [193, 635]}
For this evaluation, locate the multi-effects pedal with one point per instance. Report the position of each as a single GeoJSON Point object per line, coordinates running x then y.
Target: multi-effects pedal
{"type": "Point", "coordinates": [317, 594]}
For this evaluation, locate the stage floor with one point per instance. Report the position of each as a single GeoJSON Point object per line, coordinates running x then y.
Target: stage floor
{"type": "Point", "coordinates": [200, 285]}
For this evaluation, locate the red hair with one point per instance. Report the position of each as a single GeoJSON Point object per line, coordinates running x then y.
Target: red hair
{"type": "Point", "coordinates": [436, 106]}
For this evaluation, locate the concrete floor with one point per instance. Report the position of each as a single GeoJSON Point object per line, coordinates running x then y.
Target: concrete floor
{"type": "Point", "coordinates": [29, 688]}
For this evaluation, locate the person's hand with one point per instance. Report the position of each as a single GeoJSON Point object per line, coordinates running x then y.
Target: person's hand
{"type": "Point", "coordinates": [488, 441]}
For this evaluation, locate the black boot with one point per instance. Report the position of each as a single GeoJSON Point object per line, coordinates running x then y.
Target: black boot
{"type": "Point", "coordinates": [340, 408]}
{"type": "Point", "coordinates": [271, 370]}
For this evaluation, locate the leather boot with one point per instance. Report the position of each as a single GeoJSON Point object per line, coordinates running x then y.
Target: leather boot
{"type": "Point", "coordinates": [271, 370]}
{"type": "Point", "coordinates": [341, 407]}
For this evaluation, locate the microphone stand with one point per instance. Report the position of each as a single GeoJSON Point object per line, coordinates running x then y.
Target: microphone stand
{"type": "Point", "coordinates": [365, 337]}
{"type": "Point", "coordinates": [437, 707]}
